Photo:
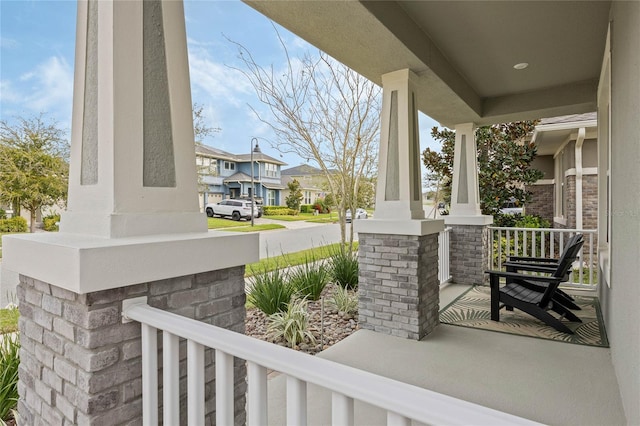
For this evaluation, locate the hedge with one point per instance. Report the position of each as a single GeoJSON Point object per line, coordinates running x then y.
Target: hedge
{"type": "Point", "coordinates": [278, 211]}
{"type": "Point", "coordinates": [15, 224]}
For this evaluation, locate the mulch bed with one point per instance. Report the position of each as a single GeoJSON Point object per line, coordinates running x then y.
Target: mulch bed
{"type": "Point", "coordinates": [328, 326]}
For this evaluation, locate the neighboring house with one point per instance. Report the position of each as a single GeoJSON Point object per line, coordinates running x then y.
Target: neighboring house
{"type": "Point", "coordinates": [313, 183]}
{"type": "Point", "coordinates": [223, 175]}
{"type": "Point", "coordinates": [567, 195]}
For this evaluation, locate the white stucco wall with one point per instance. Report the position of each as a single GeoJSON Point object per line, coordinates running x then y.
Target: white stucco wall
{"type": "Point", "coordinates": [623, 298]}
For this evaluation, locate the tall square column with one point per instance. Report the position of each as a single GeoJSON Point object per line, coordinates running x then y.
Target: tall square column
{"type": "Point", "coordinates": [398, 253]}
{"type": "Point", "coordinates": [133, 225]}
{"type": "Point", "coordinates": [469, 249]}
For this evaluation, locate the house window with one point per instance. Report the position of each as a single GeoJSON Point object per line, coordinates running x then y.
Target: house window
{"type": "Point", "coordinates": [307, 197]}
{"type": "Point", "coordinates": [228, 165]}
{"type": "Point", "coordinates": [271, 197]}
{"type": "Point", "coordinates": [271, 170]}
{"type": "Point", "coordinates": [207, 166]}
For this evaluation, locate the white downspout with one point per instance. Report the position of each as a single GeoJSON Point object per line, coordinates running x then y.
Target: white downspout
{"type": "Point", "coordinates": [578, 154]}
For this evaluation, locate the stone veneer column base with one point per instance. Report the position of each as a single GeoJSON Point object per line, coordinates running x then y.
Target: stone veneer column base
{"type": "Point", "coordinates": [398, 284]}
{"type": "Point", "coordinates": [469, 254]}
{"type": "Point", "coordinates": [80, 365]}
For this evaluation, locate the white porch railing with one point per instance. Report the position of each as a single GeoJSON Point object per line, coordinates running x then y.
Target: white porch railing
{"type": "Point", "coordinates": [401, 401]}
{"type": "Point", "coordinates": [546, 242]}
{"type": "Point", "coordinates": [444, 274]}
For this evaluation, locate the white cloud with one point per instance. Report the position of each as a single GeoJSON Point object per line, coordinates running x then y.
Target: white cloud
{"type": "Point", "coordinates": [8, 43]}
{"type": "Point", "coordinates": [219, 82]}
{"type": "Point", "coordinates": [49, 87]}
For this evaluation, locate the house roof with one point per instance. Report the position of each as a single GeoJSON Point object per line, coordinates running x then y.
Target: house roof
{"type": "Point", "coordinates": [238, 158]}
{"type": "Point", "coordinates": [301, 170]}
{"type": "Point", "coordinates": [288, 179]}
{"type": "Point", "coordinates": [238, 177]}
{"type": "Point", "coordinates": [259, 157]}
{"type": "Point", "coordinates": [553, 132]}
{"type": "Point", "coordinates": [463, 54]}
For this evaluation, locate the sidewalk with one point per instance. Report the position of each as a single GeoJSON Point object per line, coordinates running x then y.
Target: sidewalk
{"type": "Point", "coordinates": [294, 224]}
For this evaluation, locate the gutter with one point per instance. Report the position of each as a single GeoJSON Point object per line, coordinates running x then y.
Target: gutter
{"type": "Point", "coordinates": [578, 156]}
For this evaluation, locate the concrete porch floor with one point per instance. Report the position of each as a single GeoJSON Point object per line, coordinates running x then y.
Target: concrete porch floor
{"type": "Point", "coordinates": [548, 382]}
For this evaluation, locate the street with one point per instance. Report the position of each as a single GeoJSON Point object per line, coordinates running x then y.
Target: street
{"type": "Point", "coordinates": [298, 236]}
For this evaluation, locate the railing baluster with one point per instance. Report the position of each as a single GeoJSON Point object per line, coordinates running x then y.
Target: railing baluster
{"type": "Point", "coordinates": [341, 409]}
{"type": "Point", "coordinates": [524, 243]}
{"type": "Point", "coordinates": [170, 379]}
{"type": "Point", "coordinates": [296, 402]}
{"type": "Point", "coordinates": [591, 262]}
{"type": "Point", "coordinates": [149, 375]}
{"type": "Point", "coordinates": [256, 394]}
{"type": "Point", "coordinates": [224, 388]}
{"type": "Point", "coordinates": [543, 244]}
{"type": "Point", "coordinates": [534, 241]}
{"type": "Point", "coordinates": [195, 383]}
{"type": "Point", "coordinates": [395, 419]}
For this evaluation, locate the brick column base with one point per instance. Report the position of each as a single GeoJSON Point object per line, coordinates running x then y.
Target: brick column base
{"type": "Point", "coordinates": [80, 365]}
{"type": "Point", "coordinates": [398, 284]}
{"type": "Point", "coordinates": [469, 255]}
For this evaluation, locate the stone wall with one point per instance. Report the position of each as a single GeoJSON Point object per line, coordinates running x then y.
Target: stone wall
{"type": "Point", "coordinates": [81, 365]}
{"type": "Point", "coordinates": [398, 287]}
{"type": "Point", "coordinates": [469, 254]}
{"type": "Point", "coordinates": [542, 201]}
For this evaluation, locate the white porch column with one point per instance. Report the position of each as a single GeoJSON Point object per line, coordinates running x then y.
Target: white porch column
{"type": "Point", "coordinates": [398, 252]}
{"type": "Point", "coordinates": [399, 190]}
{"type": "Point", "coordinates": [465, 196]}
{"type": "Point", "coordinates": [132, 151]}
{"type": "Point", "coordinates": [469, 236]}
{"type": "Point", "coordinates": [133, 226]}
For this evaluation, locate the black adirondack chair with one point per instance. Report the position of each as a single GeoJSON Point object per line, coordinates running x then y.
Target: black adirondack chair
{"type": "Point", "coordinates": [537, 304]}
{"type": "Point", "coordinates": [546, 265]}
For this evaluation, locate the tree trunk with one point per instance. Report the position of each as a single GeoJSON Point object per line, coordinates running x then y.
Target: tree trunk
{"type": "Point", "coordinates": [32, 225]}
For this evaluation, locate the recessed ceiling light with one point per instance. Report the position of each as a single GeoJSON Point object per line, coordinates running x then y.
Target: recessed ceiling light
{"type": "Point", "coordinates": [521, 65]}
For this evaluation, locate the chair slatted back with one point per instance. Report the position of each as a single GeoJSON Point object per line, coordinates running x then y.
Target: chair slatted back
{"type": "Point", "coordinates": [564, 267]}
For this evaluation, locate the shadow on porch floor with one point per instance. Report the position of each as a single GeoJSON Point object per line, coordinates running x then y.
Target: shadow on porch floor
{"type": "Point", "coordinates": [545, 381]}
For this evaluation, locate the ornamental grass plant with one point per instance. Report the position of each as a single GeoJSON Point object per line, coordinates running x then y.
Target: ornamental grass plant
{"type": "Point", "coordinates": [270, 291]}
{"type": "Point", "coordinates": [292, 325]}
{"type": "Point", "coordinates": [309, 278]}
{"type": "Point", "coordinates": [343, 265]}
{"type": "Point", "coordinates": [9, 362]}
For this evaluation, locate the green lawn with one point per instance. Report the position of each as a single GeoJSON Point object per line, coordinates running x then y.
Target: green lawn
{"type": "Point", "coordinates": [8, 320]}
{"type": "Point", "coordinates": [309, 217]}
{"type": "Point", "coordinates": [239, 226]}
{"type": "Point", "coordinates": [293, 259]}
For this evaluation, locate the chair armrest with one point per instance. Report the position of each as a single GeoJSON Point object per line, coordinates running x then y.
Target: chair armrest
{"type": "Point", "coordinates": [517, 266]}
{"type": "Point", "coordinates": [532, 259]}
{"type": "Point", "coordinates": [515, 275]}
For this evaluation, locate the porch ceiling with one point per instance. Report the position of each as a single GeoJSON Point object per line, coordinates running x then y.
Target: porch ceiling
{"type": "Point", "coordinates": [464, 51]}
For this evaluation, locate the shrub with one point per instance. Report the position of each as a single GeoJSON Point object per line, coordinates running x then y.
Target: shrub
{"type": "Point", "coordinates": [50, 223]}
{"type": "Point", "coordinates": [342, 300]}
{"type": "Point", "coordinates": [278, 211]}
{"type": "Point", "coordinates": [306, 208]}
{"type": "Point", "coordinates": [531, 221]}
{"type": "Point", "coordinates": [9, 362]}
{"type": "Point", "coordinates": [343, 265]}
{"type": "Point", "coordinates": [15, 224]}
{"type": "Point", "coordinates": [3, 214]}
{"type": "Point", "coordinates": [309, 278]}
{"type": "Point", "coordinates": [270, 291]}
{"type": "Point", "coordinates": [292, 325]}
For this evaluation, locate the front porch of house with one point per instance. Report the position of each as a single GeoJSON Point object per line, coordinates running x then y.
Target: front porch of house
{"type": "Point", "coordinates": [544, 381]}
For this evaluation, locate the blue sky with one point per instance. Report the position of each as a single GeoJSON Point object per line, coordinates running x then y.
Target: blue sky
{"type": "Point", "coordinates": [37, 42]}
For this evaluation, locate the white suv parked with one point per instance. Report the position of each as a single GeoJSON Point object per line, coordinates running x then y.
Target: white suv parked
{"type": "Point", "coordinates": [236, 209]}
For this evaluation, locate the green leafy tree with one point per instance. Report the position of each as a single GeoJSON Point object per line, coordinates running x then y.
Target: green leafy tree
{"type": "Point", "coordinates": [294, 199]}
{"type": "Point", "coordinates": [504, 161]}
{"type": "Point", "coordinates": [34, 167]}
